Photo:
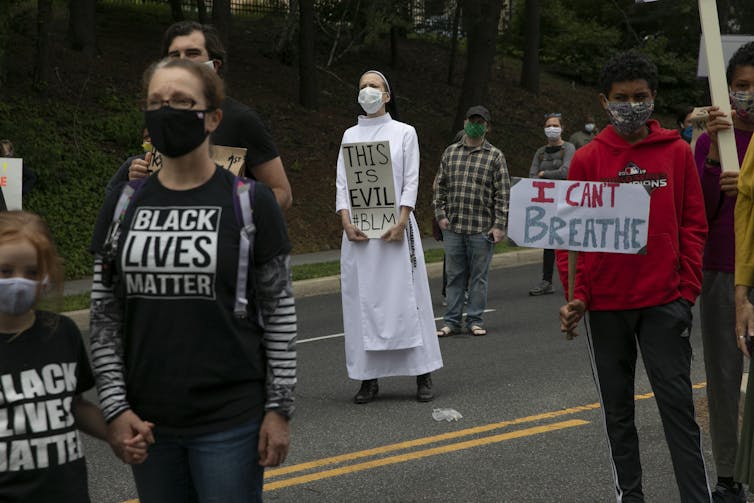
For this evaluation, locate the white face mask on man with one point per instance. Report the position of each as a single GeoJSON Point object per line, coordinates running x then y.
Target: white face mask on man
{"type": "Point", "coordinates": [370, 99]}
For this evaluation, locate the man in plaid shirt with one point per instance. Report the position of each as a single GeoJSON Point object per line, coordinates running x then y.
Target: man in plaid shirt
{"type": "Point", "coordinates": [471, 193]}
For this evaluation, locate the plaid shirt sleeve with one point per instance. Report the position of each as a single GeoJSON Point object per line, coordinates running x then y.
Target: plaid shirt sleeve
{"type": "Point", "coordinates": [502, 187]}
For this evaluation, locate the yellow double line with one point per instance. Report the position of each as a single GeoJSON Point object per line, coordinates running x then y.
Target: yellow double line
{"type": "Point", "coordinates": [434, 451]}
{"type": "Point", "coordinates": [423, 453]}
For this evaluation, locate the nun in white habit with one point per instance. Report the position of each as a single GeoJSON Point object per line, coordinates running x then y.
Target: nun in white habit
{"type": "Point", "coordinates": [387, 308]}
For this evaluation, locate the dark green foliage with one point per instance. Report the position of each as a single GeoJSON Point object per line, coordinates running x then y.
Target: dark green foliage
{"type": "Point", "coordinates": [579, 36]}
{"type": "Point", "coordinates": [69, 152]}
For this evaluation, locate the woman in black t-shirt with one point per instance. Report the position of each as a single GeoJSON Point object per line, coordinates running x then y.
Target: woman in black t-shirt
{"type": "Point", "coordinates": [167, 346]}
{"type": "Point", "coordinates": [551, 161]}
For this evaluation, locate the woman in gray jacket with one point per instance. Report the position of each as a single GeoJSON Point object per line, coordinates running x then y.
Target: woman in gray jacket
{"type": "Point", "coordinates": [551, 161]}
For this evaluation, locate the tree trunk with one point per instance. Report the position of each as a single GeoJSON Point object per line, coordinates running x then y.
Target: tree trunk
{"type": "Point", "coordinates": [176, 10]}
{"type": "Point", "coordinates": [530, 65]}
{"type": "Point", "coordinates": [82, 26]}
{"type": "Point", "coordinates": [221, 19]}
{"type": "Point", "coordinates": [4, 37]}
{"type": "Point", "coordinates": [287, 45]}
{"type": "Point", "coordinates": [201, 9]}
{"type": "Point", "coordinates": [723, 15]}
{"type": "Point", "coordinates": [307, 76]}
{"type": "Point", "coordinates": [454, 42]}
{"type": "Point", "coordinates": [42, 57]}
{"type": "Point", "coordinates": [481, 18]}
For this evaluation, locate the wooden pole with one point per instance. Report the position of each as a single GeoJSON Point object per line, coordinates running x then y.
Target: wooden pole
{"type": "Point", "coordinates": [573, 257]}
{"type": "Point", "coordinates": [718, 85]}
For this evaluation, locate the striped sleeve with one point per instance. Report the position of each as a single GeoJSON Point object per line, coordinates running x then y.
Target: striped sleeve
{"type": "Point", "coordinates": [106, 345]}
{"type": "Point", "coordinates": [274, 295]}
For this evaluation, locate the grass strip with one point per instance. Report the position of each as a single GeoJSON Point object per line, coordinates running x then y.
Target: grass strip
{"type": "Point", "coordinates": [79, 301]}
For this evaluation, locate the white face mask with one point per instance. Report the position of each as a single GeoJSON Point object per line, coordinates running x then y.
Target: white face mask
{"type": "Point", "coordinates": [370, 99]}
{"type": "Point", "coordinates": [589, 127]}
{"type": "Point", "coordinates": [553, 132]}
{"type": "Point", "coordinates": [17, 295]}
{"type": "Point", "coordinates": [211, 64]}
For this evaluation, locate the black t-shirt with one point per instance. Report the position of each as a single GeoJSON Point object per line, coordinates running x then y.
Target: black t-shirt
{"type": "Point", "coordinates": [41, 370]}
{"type": "Point", "coordinates": [242, 127]}
{"type": "Point", "coordinates": [191, 365]}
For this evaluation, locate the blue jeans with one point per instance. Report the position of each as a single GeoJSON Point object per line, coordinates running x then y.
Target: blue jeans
{"type": "Point", "coordinates": [467, 261]}
{"type": "Point", "coordinates": [213, 468]}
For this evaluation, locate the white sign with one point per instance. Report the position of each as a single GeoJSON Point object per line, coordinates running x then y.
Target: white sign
{"type": "Point", "coordinates": [730, 44]}
{"type": "Point", "coordinates": [371, 189]}
{"type": "Point", "coordinates": [11, 178]}
{"type": "Point", "coordinates": [579, 216]}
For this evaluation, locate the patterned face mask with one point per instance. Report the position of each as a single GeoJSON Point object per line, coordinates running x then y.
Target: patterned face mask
{"type": "Point", "coordinates": [743, 103]}
{"type": "Point", "coordinates": [628, 117]}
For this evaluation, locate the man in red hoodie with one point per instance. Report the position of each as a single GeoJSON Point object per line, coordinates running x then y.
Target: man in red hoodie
{"type": "Point", "coordinates": [644, 299]}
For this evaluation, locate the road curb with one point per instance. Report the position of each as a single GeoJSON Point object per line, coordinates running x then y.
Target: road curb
{"type": "Point", "coordinates": [331, 284]}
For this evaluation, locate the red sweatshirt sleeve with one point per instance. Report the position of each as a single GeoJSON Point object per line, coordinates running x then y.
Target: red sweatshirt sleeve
{"type": "Point", "coordinates": [692, 229]}
{"type": "Point", "coordinates": [581, 288]}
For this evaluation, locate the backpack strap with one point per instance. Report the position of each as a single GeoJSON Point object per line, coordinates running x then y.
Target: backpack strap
{"type": "Point", "coordinates": [110, 246]}
{"type": "Point", "coordinates": [243, 204]}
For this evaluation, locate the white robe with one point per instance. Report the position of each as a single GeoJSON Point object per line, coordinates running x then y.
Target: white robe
{"type": "Point", "coordinates": [387, 308]}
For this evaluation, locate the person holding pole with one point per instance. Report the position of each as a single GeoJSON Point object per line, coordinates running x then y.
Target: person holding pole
{"type": "Point", "coordinates": [722, 361]}
{"type": "Point", "coordinates": [387, 308]}
{"type": "Point", "coordinates": [643, 300]}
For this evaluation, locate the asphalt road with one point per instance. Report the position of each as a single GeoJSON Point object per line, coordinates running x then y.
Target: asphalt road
{"type": "Point", "coordinates": [531, 429]}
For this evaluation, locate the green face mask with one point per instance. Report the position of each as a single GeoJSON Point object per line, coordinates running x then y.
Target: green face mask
{"type": "Point", "coordinates": [475, 130]}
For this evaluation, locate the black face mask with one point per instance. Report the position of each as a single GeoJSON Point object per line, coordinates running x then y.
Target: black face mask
{"type": "Point", "coordinates": [175, 132]}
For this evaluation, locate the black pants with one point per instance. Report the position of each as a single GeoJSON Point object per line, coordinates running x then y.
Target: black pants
{"type": "Point", "coordinates": [548, 264]}
{"type": "Point", "coordinates": [662, 333]}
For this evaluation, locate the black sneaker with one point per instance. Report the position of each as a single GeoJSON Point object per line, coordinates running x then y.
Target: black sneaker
{"type": "Point", "coordinates": [543, 288]}
{"type": "Point", "coordinates": [367, 392]}
{"type": "Point", "coordinates": [424, 388]}
{"type": "Point", "coordinates": [723, 494]}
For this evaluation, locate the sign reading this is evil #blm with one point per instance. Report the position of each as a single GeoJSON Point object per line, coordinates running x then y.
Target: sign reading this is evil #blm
{"type": "Point", "coordinates": [579, 216]}
{"type": "Point", "coordinates": [371, 190]}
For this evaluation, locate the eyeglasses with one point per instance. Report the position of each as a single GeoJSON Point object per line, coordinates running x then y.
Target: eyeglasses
{"type": "Point", "coordinates": [555, 114]}
{"type": "Point", "coordinates": [177, 103]}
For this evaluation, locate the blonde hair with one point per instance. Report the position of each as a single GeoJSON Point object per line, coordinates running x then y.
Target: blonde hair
{"type": "Point", "coordinates": [18, 225]}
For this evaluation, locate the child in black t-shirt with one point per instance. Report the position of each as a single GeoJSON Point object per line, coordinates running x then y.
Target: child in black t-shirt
{"type": "Point", "coordinates": [43, 373]}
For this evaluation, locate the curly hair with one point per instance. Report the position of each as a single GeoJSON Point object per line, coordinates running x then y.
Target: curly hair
{"type": "Point", "coordinates": [625, 67]}
{"type": "Point", "coordinates": [744, 56]}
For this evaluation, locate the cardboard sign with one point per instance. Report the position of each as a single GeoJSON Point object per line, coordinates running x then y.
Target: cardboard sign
{"type": "Point", "coordinates": [231, 158]}
{"type": "Point", "coordinates": [11, 179]}
{"type": "Point", "coordinates": [371, 189]}
{"type": "Point", "coordinates": [579, 216]}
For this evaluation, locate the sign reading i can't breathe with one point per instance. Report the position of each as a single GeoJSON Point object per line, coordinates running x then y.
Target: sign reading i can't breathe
{"type": "Point", "coordinates": [579, 215]}
{"type": "Point", "coordinates": [371, 190]}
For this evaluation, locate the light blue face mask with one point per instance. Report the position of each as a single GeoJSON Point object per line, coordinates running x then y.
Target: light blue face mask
{"type": "Point", "coordinates": [627, 118]}
{"type": "Point", "coordinates": [17, 295]}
